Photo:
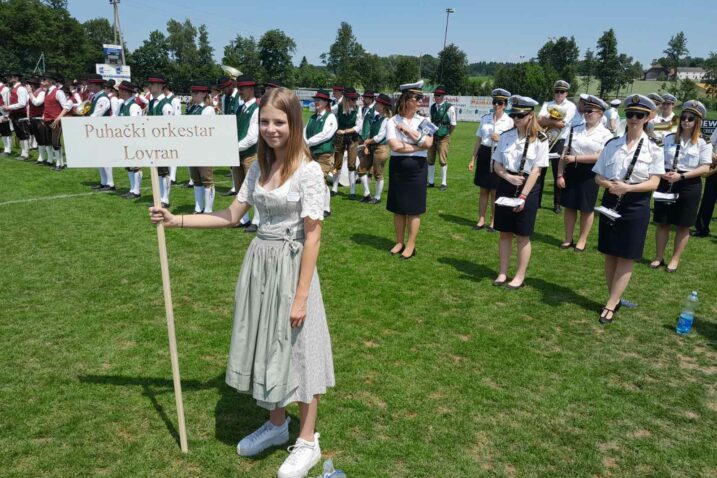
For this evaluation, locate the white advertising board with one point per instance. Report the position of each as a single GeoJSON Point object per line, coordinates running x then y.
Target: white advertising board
{"type": "Point", "coordinates": [113, 72]}
{"type": "Point", "coordinates": [144, 141]}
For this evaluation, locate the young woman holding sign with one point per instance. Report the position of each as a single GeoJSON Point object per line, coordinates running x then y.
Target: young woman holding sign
{"type": "Point", "coordinates": [280, 350]}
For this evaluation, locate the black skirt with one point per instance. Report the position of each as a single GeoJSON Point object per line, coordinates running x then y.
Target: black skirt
{"type": "Point", "coordinates": [625, 237]}
{"type": "Point", "coordinates": [407, 179]}
{"type": "Point", "coordinates": [519, 223]}
{"type": "Point", "coordinates": [581, 190]}
{"type": "Point", "coordinates": [484, 176]}
{"type": "Point", "coordinates": [682, 213]}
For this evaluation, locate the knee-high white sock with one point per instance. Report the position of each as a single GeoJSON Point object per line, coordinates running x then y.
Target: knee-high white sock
{"type": "Point", "coordinates": [245, 219]}
{"type": "Point", "coordinates": [7, 142]}
{"type": "Point", "coordinates": [364, 183]}
{"type": "Point", "coordinates": [109, 176]}
{"type": "Point", "coordinates": [379, 189]}
{"type": "Point", "coordinates": [33, 142]}
{"type": "Point", "coordinates": [208, 199]}
{"type": "Point", "coordinates": [137, 182]}
{"type": "Point", "coordinates": [103, 176]}
{"type": "Point", "coordinates": [25, 148]}
{"type": "Point", "coordinates": [352, 182]}
{"type": "Point", "coordinates": [191, 181]}
{"type": "Point", "coordinates": [130, 175]}
{"type": "Point", "coordinates": [444, 174]}
{"type": "Point", "coordinates": [61, 157]}
{"type": "Point", "coordinates": [162, 188]}
{"type": "Point", "coordinates": [167, 188]}
{"type": "Point", "coordinates": [173, 173]}
{"type": "Point", "coordinates": [256, 219]}
{"type": "Point", "coordinates": [198, 198]}
{"type": "Point", "coordinates": [335, 186]}
{"type": "Point", "coordinates": [431, 173]}
{"type": "Point", "coordinates": [327, 200]}
{"type": "Point", "coordinates": [40, 154]}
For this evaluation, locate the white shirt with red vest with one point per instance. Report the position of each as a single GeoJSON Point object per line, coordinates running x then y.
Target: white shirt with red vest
{"type": "Point", "coordinates": [55, 102]}
{"type": "Point", "coordinates": [18, 98]}
{"type": "Point", "coordinates": [4, 98]}
{"type": "Point", "coordinates": [36, 105]}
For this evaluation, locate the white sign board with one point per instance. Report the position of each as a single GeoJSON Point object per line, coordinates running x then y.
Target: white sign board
{"type": "Point", "coordinates": [469, 108]}
{"type": "Point", "coordinates": [144, 141]}
{"type": "Point", "coordinates": [113, 72]}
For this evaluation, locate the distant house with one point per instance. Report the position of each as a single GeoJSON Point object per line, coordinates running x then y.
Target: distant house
{"type": "Point", "coordinates": [658, 72]}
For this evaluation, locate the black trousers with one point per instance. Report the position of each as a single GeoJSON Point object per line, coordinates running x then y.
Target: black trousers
{"type": "Point", "coordinates": [557, 148]}
{"type": "Point", "coordinates": [707, 207]}
{"type": "Point", "coordinates": [21, 124]}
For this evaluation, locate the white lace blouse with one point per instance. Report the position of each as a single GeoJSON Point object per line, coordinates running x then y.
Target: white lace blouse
{"type": "Point", "coordinates": [302, 195]}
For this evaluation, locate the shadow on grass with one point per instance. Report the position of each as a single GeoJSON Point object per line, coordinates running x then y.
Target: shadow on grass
{"type": "Point", "coordinates": [706, 329]}
{"type": "Point", "coordinates": [554, 294]}
{"type": "Point", "coordinates": [236, 414]}
{"type": "Point", "coordinates": [545, 239]}
{"type": "Point", "coordinates": [377, 242]}
{"type": "Point", "coordinates": [460, 221]}
{"type": "Point", "coordinates": [470, 270]}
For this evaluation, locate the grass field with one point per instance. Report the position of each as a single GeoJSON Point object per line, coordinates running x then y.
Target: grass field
{"type": "Point", "coordinates": [438, 373]}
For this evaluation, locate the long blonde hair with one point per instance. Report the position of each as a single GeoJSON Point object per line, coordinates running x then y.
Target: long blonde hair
{"type": "Point", "coordinates": [533, 127]}
{"type": "Point", "coordinates": [284, 100]}
{"type": "Point", "coordinates": [696, 129]}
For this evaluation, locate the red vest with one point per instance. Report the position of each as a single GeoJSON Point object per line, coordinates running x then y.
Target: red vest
{"type": "Point", "coordinates": [13, 100]}
{"type": "Point", "coordinates": [36, 111]}
{"type": "Point", "coordinates": [53, 108]}
{"type": "Point", "coordinates": [2, 87]}
{"type": "Point", "coordinates": [13, 94]}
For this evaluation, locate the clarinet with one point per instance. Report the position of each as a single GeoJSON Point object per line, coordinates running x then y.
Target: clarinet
{"type": "Point", "coordinates": [492, 148]}
{"type": "Point", "coordinates": [522, 164]}
{"type": "Point", "coordinates": [569, 147]}
{"type": "Point", "coordinates": [674, 164]}
{"type": "Point", "coordinates": [629, 172]}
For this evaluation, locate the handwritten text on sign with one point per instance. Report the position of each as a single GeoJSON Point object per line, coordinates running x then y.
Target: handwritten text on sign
{"type": "Point", "coordinates": [136, 141]}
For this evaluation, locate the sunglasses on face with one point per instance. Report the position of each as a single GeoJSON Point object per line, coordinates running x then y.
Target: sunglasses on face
{"type": "Point", "coordinates": [518, 115]}
{"type": "Point", "coordinates": [587, 112]}
{"type": "Point", "coordinates": [438, 96]}
{"type": "Point", "coordinates": [559, 92]}
{"type": "Point", "coordinates": [688, 119]}
{"type": "Point", "coordinates": [418, 97]}
{"type": "Point", "coordinates": [635, 114]}
{"type": "Point", "coordinates": [498, 102]}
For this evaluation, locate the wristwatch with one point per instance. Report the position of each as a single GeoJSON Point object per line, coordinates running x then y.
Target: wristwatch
{"type": "Point", "coordinates": [682, 176]}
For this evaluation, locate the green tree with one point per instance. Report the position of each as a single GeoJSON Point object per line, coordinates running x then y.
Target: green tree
{"type": "Point", "coordinates": [676, 49]}
{"type": "Point", "coordinates": [311, 76]}
{"type": "Point", "coordinates": [527, 79]}
{"type": "Point", "coordinates": [587, 67]}
{"type": "Point", "coordinates": [98, 31]}
{"type": "Point", "coordinates": [711, 75]}
{"type": "Point", "coordinates": [275, 52]}
{"type": "Point", "coordinates": [561, 56]}
{"type": "Point", "coordinates": [375, 75]}
{"type": "Point", "coordinates": [453, 69]}
{"type": "Point", "coordinates": [150, 57]}
{"type": "Point", "coordinates": [608, 63]}
{"type": "Point", "coordinates": [344, 56]}
{"type": "Point", "coordinates": [243, 53]}
{"type": "Point", "coordinates": [683, 90]}
{"type": "Point", "coordinates": [429, 66]}
{"type": "Point", "coordinates": [406, 70]}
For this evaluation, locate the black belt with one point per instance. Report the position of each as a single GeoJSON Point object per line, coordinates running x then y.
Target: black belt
{"type": "Point", "coordinates": [525, 175]}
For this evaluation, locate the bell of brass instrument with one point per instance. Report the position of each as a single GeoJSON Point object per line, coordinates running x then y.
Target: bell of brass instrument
{"type": "Point", "coordinates": [231, 72]}
{"type": "Point", "coordinates": [557, 113]}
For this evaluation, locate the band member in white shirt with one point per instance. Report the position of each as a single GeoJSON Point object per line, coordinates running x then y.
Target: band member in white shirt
{"type": "Point", "coordinates": [16, 109]}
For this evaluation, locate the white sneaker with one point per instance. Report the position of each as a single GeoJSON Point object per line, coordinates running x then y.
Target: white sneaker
{"type": "Point", "coordinates": [266, 436]}
{"type": "Point", "coordinates": [303, 457]}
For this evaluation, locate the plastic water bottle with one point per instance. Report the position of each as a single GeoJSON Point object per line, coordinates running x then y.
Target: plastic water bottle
{"type": "Point", "coordinates": [330, 472]}
{"type": "Point", "coordinates": [687, 317]}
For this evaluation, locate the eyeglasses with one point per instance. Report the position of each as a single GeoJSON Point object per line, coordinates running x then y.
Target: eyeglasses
{"type": "Point", "coordinates": [687, 119]}
{"type": "Point", "coordinates": [518, 115]}
{"type": "Point", "coordinates": [558, 92]}
{"type": "Point", "coordinates": [587, 112]}
{"type": "Point", "coordinates": [635, 114]}
{"type": "Point", "coordinates": [418, 97]}
{"type": "Point", "coordinates": [498, 102]}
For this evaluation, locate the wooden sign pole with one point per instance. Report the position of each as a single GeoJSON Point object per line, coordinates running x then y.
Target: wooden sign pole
{"type": "Point", "coordinates": [169, 310]}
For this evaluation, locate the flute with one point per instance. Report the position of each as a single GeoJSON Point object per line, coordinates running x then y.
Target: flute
{"type": "Point", "coordinates": [628, 174]}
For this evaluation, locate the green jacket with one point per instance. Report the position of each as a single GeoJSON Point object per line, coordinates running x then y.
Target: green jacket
{"type": "Point", "coordinates": [439, 117]}
{"type": "Point", "coordinates": [314, 127]}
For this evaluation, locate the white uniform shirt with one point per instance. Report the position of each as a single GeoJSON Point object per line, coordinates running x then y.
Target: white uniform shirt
{"type": "Point", "coordinates": [101, 107]}
{"type": "Point", "coordinates": [252, 134]}
{"type": "Point", "coordinates": [330, 127]}
{"type": "Point", "coordinates": [177, 105]}
{"type": "Point", "coordinates": [451, 113]}
{"type": "Point", "coordinates": [37, 97]}
{"type": "Point", "coordinates": [208, 110]}
{"type": "Point", "coordinates": [359, 117]}
{"type": "Point", "coordinates": [22, 98]}
{"type": "Point", "coordinates": [488, 126]}
{"type": "Point", "coordinates": [393, 133]}
{"type": "Point", "coordinates": [589, 142]}
{"type": "Point", "coordinates": [167, 109]}
{"type": "Point", "coordinates": [115, 105]}
{"type": "Point", "coordinates": [691, 155]}
{"type": "Point", "coordinates": [509, 152]}
{"type": "Point", "coordinates": [5, 93]}
{"type": "Point", "coordinates": [713, 138]}
{"type": "Point", "coordinates": [570, 112]}
{"type": "Point", "coordinates": [134, 108]}
{"type": "Point", "coordinates": [609, 115]}
{"type": "Point", "coordinates": [615, 160]}
{"type": "Point", "coordinates": [381, 135]}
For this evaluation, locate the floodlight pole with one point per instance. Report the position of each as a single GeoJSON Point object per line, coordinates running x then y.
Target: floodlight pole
{"type": "Point", "coordinates": [445, 37]}
{"type": "Point", "coordinates": [119, 40]}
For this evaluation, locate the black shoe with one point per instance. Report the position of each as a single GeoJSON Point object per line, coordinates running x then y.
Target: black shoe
{"type": "Point", "coordinates": [398, 251]}
{"type": "Point", "coordinates": [165, 205]}
{"type": "Point", "coordinates": [188, 185]}
{"type": "Point", "coordinates": [125, 195]}
{"type": "Point", "coordinates": [327, 214]}
{"type": "Point", "coordinates": [413, 254]}
{"type": "Point", "coordinates": [699, 233]}
{"type": "Point", "coordinates": [515, 287]}
{"type": "Point", "coordinates": [498, 283]}
{"type": "Point", "coordinates": [39, 163]}
{"type": "Point", "coordinates": [251, 228]}
{"type": "Point", "coordinates": [431, 185]}
{"type": "Point", "coordinates": [490, 229]}
{"type": "Point", "coordinates": [658, 265]}
{"type": "Point", "coordinates": [374, 201]}
{"type": "Point", "coordinates": [107, 188]}
{"type": "Point", "coordinates": [670, 270]}
{"type": "Point", "coordinates": [133, 196]}
{"type": "Point", "coordinates": [606, 318]}
{"type": "Point", "coordinates": [366, 199]}
{"type": "Point", "coordinates": [173, 182]}
{"type": "Point", "coordinates": [97, 186]}
{"type": "Point", "coordinates": [479, 228]}
{"type": "Point", "coordinates": [58, 169]}
{"type": "Point", "coordinates": [557, 209]}
{"type": "Point", "coordinates": [229, 193]}
{"type": "Point", "coordinates": [352, 197]}
{"type": "Point", "coordinates": [443, 187]}
{"type": "Point", "coordinates": [333, 193]}
{"type": "Point", "coordinates": [569, 245]}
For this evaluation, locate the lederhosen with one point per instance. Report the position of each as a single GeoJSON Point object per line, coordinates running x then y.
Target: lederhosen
{"type": "Point", "coordinates": [347, 142]}
{"type": "Point", "coordinates": [200, 175]}
{"type": "Point", "coordinates": [155, 108]}
{"type": "Point", "coordinates": [37, 125]}
{"type": "Point", "coordinates": [519, 223]}
{"type": "Point", "coordinates": [52, 111]}
{"type": "Point", "coordinates": [322, 153]}
{"type": "Point", "coordinates": [377, 155]}
{"type": "Point", "coordinates": [20, 121]}
{"type": "Point", "coordinates": [683, 212]}
{"type": "Point", "coordinates": [625, 237]}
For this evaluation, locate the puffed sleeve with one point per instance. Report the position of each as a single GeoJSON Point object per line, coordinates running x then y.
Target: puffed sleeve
{"type": "Point", "coordinates": [391, 130]}
{"type": "Point", "coordinates": [705, 153]}
{"type": "Point", "coordinates": [313, 192]}
{"type": "Point", "coordinates": [541, 158]}
{"type": "Point", "coordinates": [246, 193]}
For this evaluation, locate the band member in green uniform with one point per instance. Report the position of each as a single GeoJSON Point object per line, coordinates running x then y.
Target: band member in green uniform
{"type": "Point", "coordinates": [443, 115]}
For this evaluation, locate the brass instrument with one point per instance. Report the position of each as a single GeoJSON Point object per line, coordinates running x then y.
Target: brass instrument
{"type": "Point", "coordinates": [667, 126]}
{"type": "Point", "coordinates": [231, 72]}
{"type": "Point", "coordinates": [558, 113]}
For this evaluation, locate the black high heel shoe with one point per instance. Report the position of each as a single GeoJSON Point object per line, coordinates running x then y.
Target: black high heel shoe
{"type": "Point", "coordinates": [398, 251]}
{"type": "Point", "coordinates": [413, 254]}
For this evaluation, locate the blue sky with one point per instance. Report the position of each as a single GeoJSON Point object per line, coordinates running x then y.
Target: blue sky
{"type": "Point", "coordinates": [506, 30]}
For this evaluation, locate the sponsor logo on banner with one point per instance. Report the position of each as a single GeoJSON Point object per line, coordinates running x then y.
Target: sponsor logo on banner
{"type": "Point", "coordinates": [469, 108]}
{"type": "Point", "coordinates": [708, 127]}
{"type": "Point", "coordinates": [113, 72]}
